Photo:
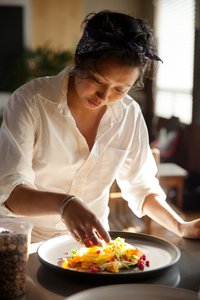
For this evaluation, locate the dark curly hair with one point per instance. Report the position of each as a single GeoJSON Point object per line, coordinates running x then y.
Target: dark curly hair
{"type": "Point", "coordinates": [116, 34]}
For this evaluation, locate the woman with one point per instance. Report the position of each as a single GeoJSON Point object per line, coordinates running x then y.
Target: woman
{"type": "Point", "coordinates": [66, 138]}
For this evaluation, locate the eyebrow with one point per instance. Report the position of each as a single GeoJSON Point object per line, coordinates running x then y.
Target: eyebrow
{"type": "Point", "coordinates": [97, 73]}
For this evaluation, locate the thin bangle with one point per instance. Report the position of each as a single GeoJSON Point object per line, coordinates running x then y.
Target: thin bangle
{"type": "Point", "coordinates": [64, 203]}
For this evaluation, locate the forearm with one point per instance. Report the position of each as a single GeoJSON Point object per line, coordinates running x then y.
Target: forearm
{"type": "Point", "coordinates": [26, 201]}
{"type": "Point", "coordinates": [162, 213]}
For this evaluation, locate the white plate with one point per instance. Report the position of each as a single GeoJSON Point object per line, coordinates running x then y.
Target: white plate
{"type": "Point", "coordinates": [135, 291]}
{"type": "Point", "coordinates": [161, 254]}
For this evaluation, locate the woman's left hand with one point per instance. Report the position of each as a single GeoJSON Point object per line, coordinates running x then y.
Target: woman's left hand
{"type": "Point", "coordinates": [191, 229]}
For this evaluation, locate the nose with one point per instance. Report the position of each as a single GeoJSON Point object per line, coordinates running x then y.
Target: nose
{"type": "Point", "coordinates": [103, 93]}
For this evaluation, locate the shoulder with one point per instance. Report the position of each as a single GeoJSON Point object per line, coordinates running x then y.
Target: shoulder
{"type": "Point", "coordinates": [126, 111]}
{"type": "Point", "coordinates": [132, 112]}
{"type": "Point", "coordinates": [130, 105]}
{"type": "Point", "coordinates": [48, 87]}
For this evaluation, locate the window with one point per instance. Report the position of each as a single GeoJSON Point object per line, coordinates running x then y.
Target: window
{"type": "Point", "coordinates": [175, 29]}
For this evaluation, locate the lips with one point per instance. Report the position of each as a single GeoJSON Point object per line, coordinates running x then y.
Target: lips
{"type": "Point", "coordinates": [94, 102]}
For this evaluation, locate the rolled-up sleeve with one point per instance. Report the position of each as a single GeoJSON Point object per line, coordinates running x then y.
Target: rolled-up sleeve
{"type": "Point", "coordinates": [16, 145]}
{"type": "Point", "coordinates": [137, 175]}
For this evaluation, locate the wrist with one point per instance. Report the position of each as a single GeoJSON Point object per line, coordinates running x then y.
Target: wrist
{"type": "Point", "coordinates": [181, 227]}
{"type": "Point", "coordinates": [65, 203]}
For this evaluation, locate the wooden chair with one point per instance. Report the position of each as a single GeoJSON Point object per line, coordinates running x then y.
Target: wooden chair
{"type": "Point", "coordinates": [121, 218]}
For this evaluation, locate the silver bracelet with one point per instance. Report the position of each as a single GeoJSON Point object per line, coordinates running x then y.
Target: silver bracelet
{"type": "Point", "coordinates": [65, 202]}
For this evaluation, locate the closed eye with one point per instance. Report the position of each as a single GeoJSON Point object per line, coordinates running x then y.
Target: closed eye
{"type": "Point", "coordinates": [121, 91]}
{"type": "Point", "coordinates": [96, 80]}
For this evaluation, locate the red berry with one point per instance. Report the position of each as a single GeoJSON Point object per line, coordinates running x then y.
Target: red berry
{"type": "Point", "coordinates": [147, 263]}
{"type": "Point", "coordinates": [143, 257]}
{"type": "Point", "coordinates": [141, 266]}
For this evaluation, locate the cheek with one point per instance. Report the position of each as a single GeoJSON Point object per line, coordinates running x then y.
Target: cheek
{"type": "Point", "coordinates": [114, 97]}
{"type": "Point", "coordinates": [84, 88]}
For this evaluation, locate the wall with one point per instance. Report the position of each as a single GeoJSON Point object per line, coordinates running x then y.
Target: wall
{"type": "Point", "coordinates": [138, 8]}
{"type": "Point", "coordinates": [56, 23]}
{"type": "Point", "coordinates": [126, 6]}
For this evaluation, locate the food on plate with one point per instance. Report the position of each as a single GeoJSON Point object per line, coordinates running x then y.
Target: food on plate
{"type": "Point", "coordinates": [111, 257]}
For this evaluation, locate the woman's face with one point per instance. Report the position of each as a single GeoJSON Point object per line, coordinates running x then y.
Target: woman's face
{"type": "Point", "coordinates": [110, 81]}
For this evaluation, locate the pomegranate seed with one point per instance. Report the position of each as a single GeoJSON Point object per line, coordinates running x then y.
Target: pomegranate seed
{"type": "Point", "coordinates": [141, 266]}
{"type": "Point", "coordinates": [147, 263]}
{"type": "Point", "coordinates": [95, 269]}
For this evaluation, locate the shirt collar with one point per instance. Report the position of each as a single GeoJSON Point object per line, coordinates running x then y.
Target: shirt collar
{"type": "Point", "coordinates": [58, 94]}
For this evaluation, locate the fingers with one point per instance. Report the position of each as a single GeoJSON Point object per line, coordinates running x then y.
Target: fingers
{"type": "Point", "coordinates": [105, 236]}
{"type": "Point", "coordinates": [102, 233]}
{"type": "Point", "coordinates": [88, 239]}
{"type": "Point", "coordinates": [79, 235]}
{"type": "Point", "coordinates": [84, 225]}
{"type": "Point", "coordinates": [97, 236]}
{"type": "Point", "coordinates": [76, 237]}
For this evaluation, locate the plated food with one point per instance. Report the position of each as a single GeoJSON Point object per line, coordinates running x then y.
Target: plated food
{"type": "Point", "coordinates": [111, 257]}
{"type": "Point", "coordinates": [161, 254]}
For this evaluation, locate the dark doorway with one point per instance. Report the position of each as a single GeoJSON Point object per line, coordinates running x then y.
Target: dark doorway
{"type": "Point", "coordinates": [11, 42]}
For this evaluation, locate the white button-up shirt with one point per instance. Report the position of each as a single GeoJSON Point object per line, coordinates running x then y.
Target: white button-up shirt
{"type": "Point", "coordinates": [41, 145]}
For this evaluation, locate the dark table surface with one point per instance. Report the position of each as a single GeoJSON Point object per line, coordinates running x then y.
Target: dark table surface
{"type": "Point", "coordinates": [44, 283]}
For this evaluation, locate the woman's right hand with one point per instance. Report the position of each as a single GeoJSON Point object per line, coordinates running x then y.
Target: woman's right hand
{"type": "Point", "coordinates": [83, 224]}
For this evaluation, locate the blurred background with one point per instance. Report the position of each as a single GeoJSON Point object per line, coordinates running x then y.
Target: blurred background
{"type": "Point", "coordinates": [38, 38]}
